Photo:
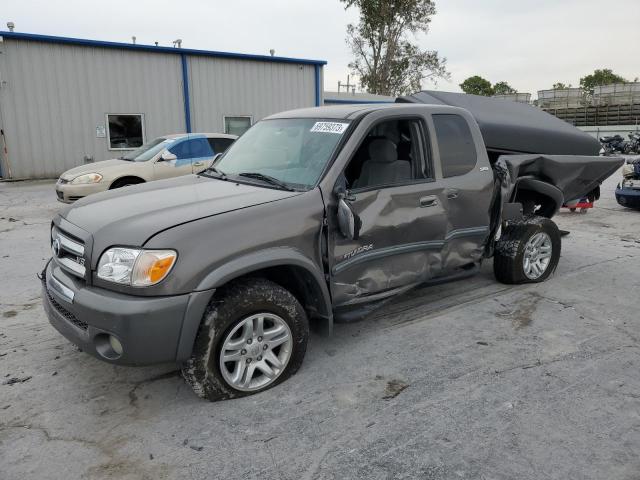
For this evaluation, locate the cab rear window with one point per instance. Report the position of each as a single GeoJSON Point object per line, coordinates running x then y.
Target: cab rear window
{"type": "Point", "coordinates": [457, 149]}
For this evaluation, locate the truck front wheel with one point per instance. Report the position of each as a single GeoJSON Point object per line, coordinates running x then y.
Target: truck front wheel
{"type": "Point", "coordinates": [253, 336]}
{"type": "Point", "coordinates": [528, 251]}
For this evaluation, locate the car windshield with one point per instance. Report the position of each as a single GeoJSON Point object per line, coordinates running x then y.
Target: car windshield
{"type": "Point", "coordinates": [147, 151]}
{"type": "Point", "coordinates": [292, 151]}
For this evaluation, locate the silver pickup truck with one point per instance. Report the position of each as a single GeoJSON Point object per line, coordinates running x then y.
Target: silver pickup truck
{"type": "Point", "coordinates": [312, 216]}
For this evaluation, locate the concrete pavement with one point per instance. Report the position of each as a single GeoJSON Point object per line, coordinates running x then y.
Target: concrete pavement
{"type": "Point", "coordinates": [468, 380]}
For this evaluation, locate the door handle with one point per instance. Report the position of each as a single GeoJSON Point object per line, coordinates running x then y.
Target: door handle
{"type": "Point", "coordinates": [198, 164]}
{"type": "Point", "coordinates": [430, 201]}
{"type": "Point", "coordinates": [452, 193]}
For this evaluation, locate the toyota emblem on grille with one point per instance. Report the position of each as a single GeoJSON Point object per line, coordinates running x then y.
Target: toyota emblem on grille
{"type": "Point", "coordinates": [55, 246]}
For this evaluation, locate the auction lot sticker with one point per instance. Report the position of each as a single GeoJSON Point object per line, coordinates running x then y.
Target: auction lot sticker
{"type": "Point", "coordinates": [329, 127]}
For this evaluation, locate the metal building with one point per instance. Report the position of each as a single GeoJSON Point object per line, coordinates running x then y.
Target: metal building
{"type": "Point", "coordinates": [617, 94]}
{"type": "Point", "coordinates": [561, 98]}
{"type": "Point", "coordinates": [65, 101]}
{"type": "Point", "coordinates": [515, 97]}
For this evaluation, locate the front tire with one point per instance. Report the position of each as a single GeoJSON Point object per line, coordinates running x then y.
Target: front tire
{"type": "Point", "coordinates": [253, 336]}
{"type": "Point", "coordinates": [528, 251]}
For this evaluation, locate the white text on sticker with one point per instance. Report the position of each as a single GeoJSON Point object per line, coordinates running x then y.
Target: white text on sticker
{"type": "Point", "coordinates": [329, 127]}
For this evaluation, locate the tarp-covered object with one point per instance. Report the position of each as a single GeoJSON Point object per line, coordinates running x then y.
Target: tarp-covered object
{"type": "Point", "coordinates": [513, 127]}
{"type": "Point", "coordinates": [575, 176]}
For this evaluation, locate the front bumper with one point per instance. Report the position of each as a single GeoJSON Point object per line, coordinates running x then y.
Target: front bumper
{"type": "Point", "coordinates": [69, 193]}
{"type": "Point", "coordinates": [150, 329]}
{"type": "Point", "coordinates": [628, 197]}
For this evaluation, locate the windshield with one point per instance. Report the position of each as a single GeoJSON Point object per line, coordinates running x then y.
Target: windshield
{"type": "Point", "coordinates": [293, 151]}
{"type": "Point", "coordinates": [148, 150]}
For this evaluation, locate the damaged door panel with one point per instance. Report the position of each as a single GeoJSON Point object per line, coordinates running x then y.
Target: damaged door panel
{"type": "Point", "coordinates": [401, 236]}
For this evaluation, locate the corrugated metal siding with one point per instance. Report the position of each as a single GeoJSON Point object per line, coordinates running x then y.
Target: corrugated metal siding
{"type": "Point", "coordinates": [55, 95]}
{"type": "Point", "coordinates": [220, 87]}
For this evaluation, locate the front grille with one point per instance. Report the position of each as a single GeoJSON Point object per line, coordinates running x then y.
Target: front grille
{"type": "Point", "coordinates": [68, 252]}
{"type": "Point", "coordinates": [70, 317]}
{"type": "Point", "coordinates": [73, 198]}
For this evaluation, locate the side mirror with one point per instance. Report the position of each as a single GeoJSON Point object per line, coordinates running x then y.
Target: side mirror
{"type": "Point", "coordinates": [347, 221]}
{"type": "Point", "coordinates": [167, 156]}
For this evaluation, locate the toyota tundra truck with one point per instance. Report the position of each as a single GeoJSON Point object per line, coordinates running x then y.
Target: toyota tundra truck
{"type": "Point", "coordinates": [312, 216]}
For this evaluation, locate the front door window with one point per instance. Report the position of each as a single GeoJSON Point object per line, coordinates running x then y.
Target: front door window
{"type": "Point", "coordinates": [401, 217]}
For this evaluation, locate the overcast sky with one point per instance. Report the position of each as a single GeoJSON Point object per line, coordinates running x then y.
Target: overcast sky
{"type": "Point", "coordinates": [531, 44]}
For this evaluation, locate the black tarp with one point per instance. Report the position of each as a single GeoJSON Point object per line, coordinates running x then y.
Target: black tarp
{"type": "Point", "coordinates": [513, 127]}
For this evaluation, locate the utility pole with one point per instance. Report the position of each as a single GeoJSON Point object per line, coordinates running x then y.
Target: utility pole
{"type": "Point", "coordinates": [348, 86]}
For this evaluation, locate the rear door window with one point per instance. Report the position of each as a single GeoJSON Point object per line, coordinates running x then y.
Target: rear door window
{"type": "Point", "coordinates": [457, 150]}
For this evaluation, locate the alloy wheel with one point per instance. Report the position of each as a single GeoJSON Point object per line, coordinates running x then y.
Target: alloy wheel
{"type": "Point", "coordinates": [256, 351]}
{"type": "Point", "coordinates": [537, 255]}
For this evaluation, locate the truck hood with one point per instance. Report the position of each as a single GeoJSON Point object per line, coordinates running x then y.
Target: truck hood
{"type": "Point", "coordinates": [95, 167]}
{"type": "Point", "coordinates": [131, 215]}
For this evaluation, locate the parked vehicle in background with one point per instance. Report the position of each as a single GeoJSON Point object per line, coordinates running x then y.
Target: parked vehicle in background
{"type": "Point", "coordinates": [163, 157]}
{"type": "Point", "coordinates": [634, 143]}
{"type": "Point", "coordinates": [628, 191]}
{"type": "Point", "coordinates": [312, 215]}
{"type": "Point", "coordinates": [613, 144]}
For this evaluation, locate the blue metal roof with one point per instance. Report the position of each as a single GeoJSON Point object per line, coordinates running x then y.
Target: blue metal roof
{"type": "Point", "coordinates": [152, 48]}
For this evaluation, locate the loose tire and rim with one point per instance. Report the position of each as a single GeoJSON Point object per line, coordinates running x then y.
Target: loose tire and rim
{"type": "Point", "coordinates": [528, 251]}
{"type": "Point", "coordinates": [253, 336]}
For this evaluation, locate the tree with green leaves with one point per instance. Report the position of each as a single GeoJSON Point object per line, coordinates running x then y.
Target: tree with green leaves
{"type": "Point", "coordinates": [477, 85]}
{"type": "Point", "coordinates": [560, 86]}
{"type": "Point", "coordinates": [503, 88]}
{"type": "Point", "coordinates": [386, 59]}
{"type": "Point", "coordinates": [604, 76]}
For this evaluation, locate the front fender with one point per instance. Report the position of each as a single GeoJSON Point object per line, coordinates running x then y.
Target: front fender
{"type": "Point", "coordinates": [252, 262]}
{"type": "Point", "coordinates": [240, 266]}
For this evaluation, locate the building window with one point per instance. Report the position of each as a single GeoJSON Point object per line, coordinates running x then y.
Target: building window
{"type": "Point", "coordinates": [236, 125]}
{"type": "Point", "coordinates": [126, 131]}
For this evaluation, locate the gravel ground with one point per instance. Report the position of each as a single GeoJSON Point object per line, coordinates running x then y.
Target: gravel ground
{"type": "Point", "coordinates": [472, 380]}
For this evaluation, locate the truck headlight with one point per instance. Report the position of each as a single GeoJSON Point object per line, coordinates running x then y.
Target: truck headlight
{"type": "Point", "coordinates": [87, 178]}
{"type": "Point", "coordinates": [135, 267]}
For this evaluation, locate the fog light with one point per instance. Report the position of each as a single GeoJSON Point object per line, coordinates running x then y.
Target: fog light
{"type": "Point", "coordinates": [116, 346]}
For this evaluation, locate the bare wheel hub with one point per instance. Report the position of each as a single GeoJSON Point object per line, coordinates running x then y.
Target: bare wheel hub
{"type": "Point", "coordinates": [256, 351]}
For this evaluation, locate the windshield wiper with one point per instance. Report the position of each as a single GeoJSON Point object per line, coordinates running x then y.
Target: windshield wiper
{"type": "Point", "coordinates": [267, 179]}
{"type": "Point", "coordinates": [219, 173]}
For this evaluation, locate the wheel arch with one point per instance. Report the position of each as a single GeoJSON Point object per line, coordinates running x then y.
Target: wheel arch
{"type": "Point", "coordinates": [286, 267]}
{"type": "Point", "coordinates": [550, 196]}
{"type": "Point", "coordinates": [137, 179]}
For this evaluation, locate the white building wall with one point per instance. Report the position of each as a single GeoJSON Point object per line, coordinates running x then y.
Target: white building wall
{"type": "Point", "coordinates": [232, 87]}
{"type": "Point", "coordinates": [53, 96]}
